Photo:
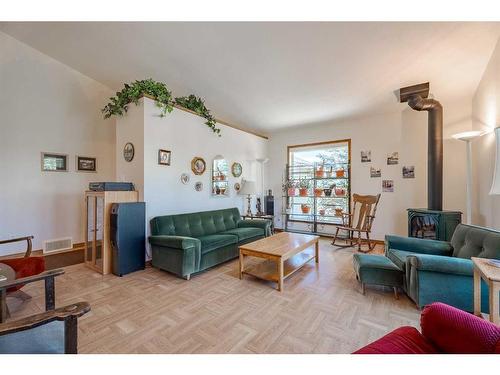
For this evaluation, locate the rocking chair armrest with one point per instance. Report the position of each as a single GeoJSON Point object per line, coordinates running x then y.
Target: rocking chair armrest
{"type": "Point", "coordinates": [62, 313]}
{"type": "Point", "coordinates": [30, 279]}
{"type": "Point", "coordinates": [19, 239]}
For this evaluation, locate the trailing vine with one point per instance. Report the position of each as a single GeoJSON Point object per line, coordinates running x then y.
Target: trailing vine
{"type": "Point", "coordinates": [131, 93]}
{"type": "Point", "coordinates": [197, 105]}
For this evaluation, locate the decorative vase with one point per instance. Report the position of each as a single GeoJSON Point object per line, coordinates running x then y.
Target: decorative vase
{"type": "Point", "coordinates": [339, 173]}
{"type": "Point", "coordinates": [222, 191]}
{"type": "Point", "coordinates": [305, 208]}
{"type": "Point", "coordinates": [322, 211]}
{"type": "Point", "coordinates": [328, 192]}
{"type": "Point", "coordinates": [318, 192]}
{"type": "Point", "coordinates": [303, 192]}
{"type": "Point", "coordinates": [338, 211]}
{"type": "Point", "coordinates": [291, 192]}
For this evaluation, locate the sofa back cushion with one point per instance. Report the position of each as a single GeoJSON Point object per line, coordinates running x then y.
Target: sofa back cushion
{"type": "Point", "coordinates": [196, 224]}
{"type": "Point", "coordinates": [472, 241]}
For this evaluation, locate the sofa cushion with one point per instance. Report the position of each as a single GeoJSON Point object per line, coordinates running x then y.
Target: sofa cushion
{"type": "Point", "coordinates": [196, 224]}
{"type": "Point", "coordinates": [214, 241]}
{"type": "Point", "coordinates": [45, 339]}
{"type": "Point", "coordinates": [398, 257]}
{"type": "Point", "coordinates": [455, 331]}
{"type": "Point", "coordinates": [403, 340]}
{"type": "Point", "coordinates": [245, 233]}
{"type": "Point", "coordinates": [472, 241]}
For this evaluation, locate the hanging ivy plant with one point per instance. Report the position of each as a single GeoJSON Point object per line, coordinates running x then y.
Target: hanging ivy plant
{"type": "Point", "coordinates": [132, 92]}
{"type": "Point", "coordinates": [197, 105]}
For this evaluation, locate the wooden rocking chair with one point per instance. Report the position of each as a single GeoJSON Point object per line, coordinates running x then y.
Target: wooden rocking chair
{"type": "Point", "coordinates": [367, 208]}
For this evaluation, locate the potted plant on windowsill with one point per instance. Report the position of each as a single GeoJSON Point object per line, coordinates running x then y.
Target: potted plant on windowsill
{"type": "Point", "coordinates": [303, 187]}
{"type": "Point", "coordinates": [305, 208]}
{"type": "Point", "coordinates": [289, 187]}
{"type": "Point", "coordinates": [319, 173]}
{"type": "Point", "coordinates": [339, 173]}
{"type": "Point", "coordinates": [318, 192]}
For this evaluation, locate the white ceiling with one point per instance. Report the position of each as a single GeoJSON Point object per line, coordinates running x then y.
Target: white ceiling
{"type": "Point", "coordinates": [268, 76]}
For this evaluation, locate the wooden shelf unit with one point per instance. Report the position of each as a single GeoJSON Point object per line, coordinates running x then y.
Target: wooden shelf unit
{"type": "Point", "coordinates": [97, 226]}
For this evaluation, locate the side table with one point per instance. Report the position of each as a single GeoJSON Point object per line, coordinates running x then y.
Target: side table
{"type": "Point", "coordinates": [491, 275]}
{"type": "Point", "coordinates": [265, 217]}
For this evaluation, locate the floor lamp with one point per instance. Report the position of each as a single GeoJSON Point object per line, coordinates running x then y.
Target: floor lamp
{"type": "Point", "coordinates": [262, 161]}
{"type": "Point", "coordinates": [468, 137]}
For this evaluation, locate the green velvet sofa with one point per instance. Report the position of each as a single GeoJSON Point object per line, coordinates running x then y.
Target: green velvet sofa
{"type": "Point", "coordinates": [185, 244]}
{"type": "Point", "coordinates": [438, 271]}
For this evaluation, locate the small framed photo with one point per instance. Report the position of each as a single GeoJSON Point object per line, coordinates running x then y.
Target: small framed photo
{"type": "Point", "coordinates": [409, 171]}
{"type": "Point", "coordinates": [388, 186]}
{"type": "Point", "coordinates": [53, 162]}
{"type": "Point", "coordinates": [164, 157]}
{"type": "Point", "coordinates": [86, 164]}
{"type": "Point", "coordinates": [375, 172]}
{"type": "Point", "coordinates": [366, 156]}
{"type": "Point", "coordinates": [393, 158]}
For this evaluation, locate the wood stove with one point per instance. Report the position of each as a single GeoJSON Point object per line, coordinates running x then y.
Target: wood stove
{"type": "Point", "coordinates": [431, 224]}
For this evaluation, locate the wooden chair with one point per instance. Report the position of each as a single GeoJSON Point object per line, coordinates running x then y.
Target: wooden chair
{"type": "Point", "coordinates": [359, 221]}
{"type": "Point", "coordinates": [51, 332]}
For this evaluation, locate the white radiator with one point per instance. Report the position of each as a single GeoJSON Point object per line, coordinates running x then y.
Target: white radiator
{"type": "Point", "coordinates": [58, 244]}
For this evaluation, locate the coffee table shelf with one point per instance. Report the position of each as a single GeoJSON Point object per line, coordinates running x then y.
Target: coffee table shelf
{"type": "Point", "coordinates": [283, 254]}
{"type": "Point", "coordinates": [268, 270]}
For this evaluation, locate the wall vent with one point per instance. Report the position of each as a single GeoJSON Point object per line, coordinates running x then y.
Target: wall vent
{"type": "Point", "coordinates": [59, 244]}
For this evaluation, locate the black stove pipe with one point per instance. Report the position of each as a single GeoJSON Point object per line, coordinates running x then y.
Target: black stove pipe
{"type": "Point", "coordinates": [434, 149]}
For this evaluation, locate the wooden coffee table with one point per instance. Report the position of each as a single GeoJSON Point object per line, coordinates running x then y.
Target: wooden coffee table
{"type": "Point", "coordinates": [284, 253]}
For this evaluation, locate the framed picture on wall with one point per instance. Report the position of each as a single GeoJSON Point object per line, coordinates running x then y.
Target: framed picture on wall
{"type": "Point", "coordinates": [53, 162]}
{"type": "Point", "coordinates": [164, 157]}
{"type": "Point", "coordinates": [86, 164]}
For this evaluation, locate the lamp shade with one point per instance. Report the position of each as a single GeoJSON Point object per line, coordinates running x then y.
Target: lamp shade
{"type": "Point", "coordinates": [248, 188]}
{"type": "Point", "coordinates": [495, 187]}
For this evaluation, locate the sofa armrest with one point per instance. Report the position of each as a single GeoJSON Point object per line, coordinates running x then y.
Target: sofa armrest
{"type": "Point", "coordinates": [176, 242]}
{"type": "Point", "coordinates": [256, 223]}
{"type": "Point", "coordinates": [443, 264]}
{"type": "Point", "coordinates": [418, 245]}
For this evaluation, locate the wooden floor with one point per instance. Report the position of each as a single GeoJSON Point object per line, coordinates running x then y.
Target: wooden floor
{"type": "Point", "coordinates": [320, 311]}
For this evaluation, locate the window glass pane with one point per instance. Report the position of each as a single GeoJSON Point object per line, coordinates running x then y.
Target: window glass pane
{"type": "Point", "coordinates": [319, 174]}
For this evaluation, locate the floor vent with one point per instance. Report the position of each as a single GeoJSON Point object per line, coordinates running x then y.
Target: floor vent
{"type": "Point", "coordinates": [59, 244]}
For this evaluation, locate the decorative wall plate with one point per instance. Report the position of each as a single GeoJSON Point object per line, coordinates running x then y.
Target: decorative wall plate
{"type": "Point", "coordinates": [198, 165]}
{"type": "Point", "coordinates": [128, 152]}
{"type": "Point", "coordinates": [198, 186]}
{"type": "Point", "coordinates": [184, 178]}
{"type": "Point", "coordinates": [236, 169]}
{"type": "Point", "coordinates": [237, 187]}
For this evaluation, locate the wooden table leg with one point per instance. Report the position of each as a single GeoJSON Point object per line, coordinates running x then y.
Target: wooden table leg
{"type": "Point", "coordinates": [3, 305]}
{"type": "Point", "coordinates": [477, 292]}
{"type": "Point", "coordinates": [242, 263]}
{"type": "Point", "coordinates": [494, 290]}
{"type": "Point", "coordinates": [280, 274]}
{"type": "Point", "coordinates": [316, 251]}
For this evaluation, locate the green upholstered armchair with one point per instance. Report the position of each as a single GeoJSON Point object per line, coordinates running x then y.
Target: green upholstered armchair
{"type": "Point", "coordinates": [438, 271]}
{"type": "Point", "coordinates": [189, 243]}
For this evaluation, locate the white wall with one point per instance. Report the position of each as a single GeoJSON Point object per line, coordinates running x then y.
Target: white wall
{"type": "Point", "coordinates": [186, 136]}
{"type": "Point", "coordinates": [47, 106]}
{"type": "Point", "coordinates": [405, 132]}
{"type": "Point", "coordinates": [486, 116]}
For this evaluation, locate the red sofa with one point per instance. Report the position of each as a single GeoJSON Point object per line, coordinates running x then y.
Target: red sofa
{"type": "Point", "coordinates": [445, 329]}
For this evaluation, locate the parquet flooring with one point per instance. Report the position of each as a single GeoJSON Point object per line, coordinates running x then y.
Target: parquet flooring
{"type": "Point", "coordinates": [320, 311]}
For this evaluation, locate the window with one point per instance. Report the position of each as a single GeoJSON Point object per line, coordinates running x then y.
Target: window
{"type": "Point", "coordinates": [317, 189]}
